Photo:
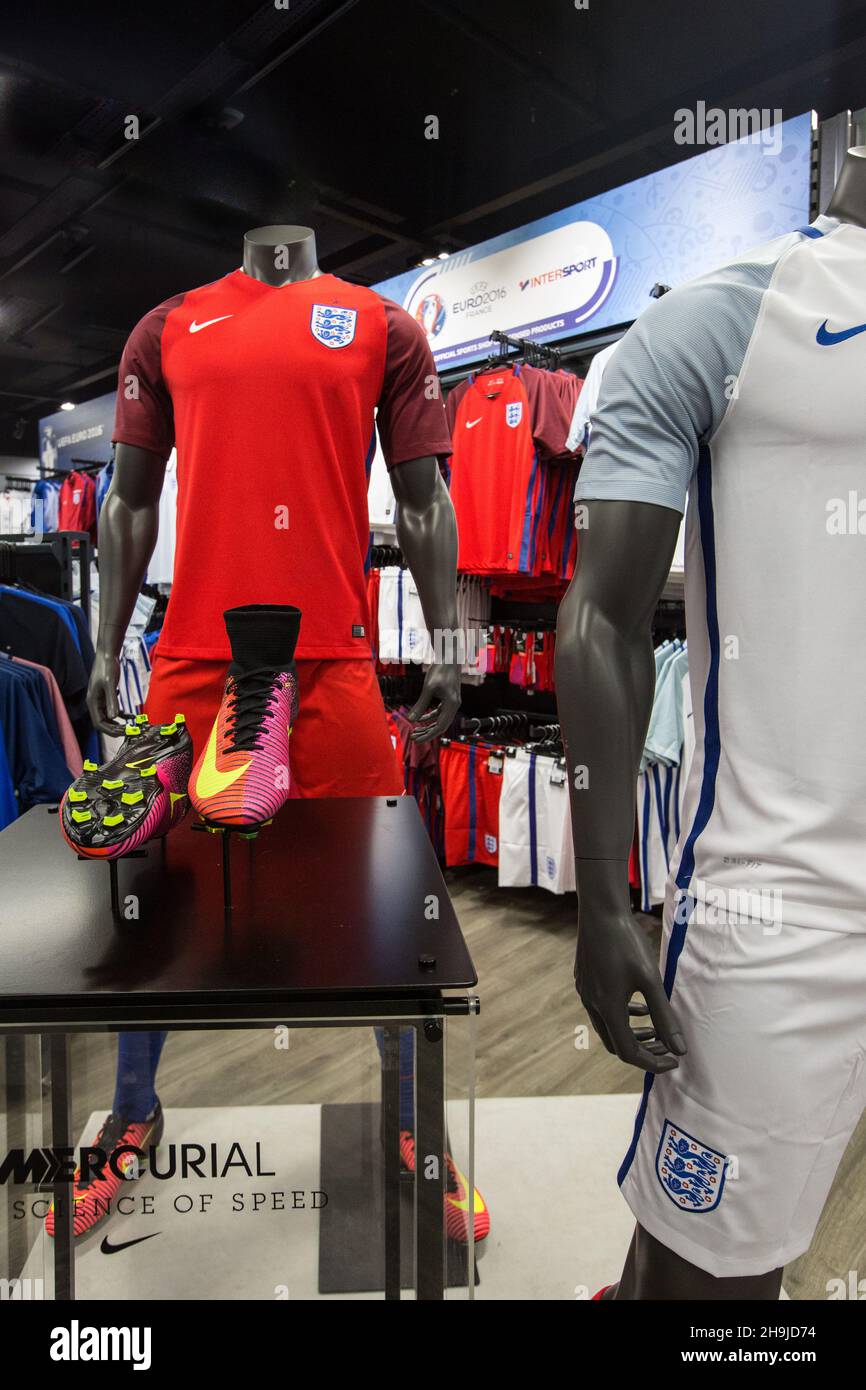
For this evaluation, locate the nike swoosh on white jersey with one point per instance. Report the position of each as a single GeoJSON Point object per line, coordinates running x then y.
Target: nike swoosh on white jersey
{"type": "Point", "coordinates": [470, 424]}
{"type": "Point", "coordinates": [197, 327]}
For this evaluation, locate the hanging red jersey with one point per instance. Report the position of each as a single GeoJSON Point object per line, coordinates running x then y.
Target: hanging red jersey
{"type": "Point", "coordinates": [504, 425]}
{"type": "Point", "coordinates": [494, 475]}
{"type": "Point", "coordinates": [76, 508]}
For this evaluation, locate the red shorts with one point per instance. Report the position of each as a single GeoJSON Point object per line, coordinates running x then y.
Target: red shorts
{"type": "Point", "coordinates": [340, 745]}
{"type": "Point", "coordinates": [471, 795]}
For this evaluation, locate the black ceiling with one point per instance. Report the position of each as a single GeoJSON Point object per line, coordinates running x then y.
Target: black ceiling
{"type": "Point", "coordinates": [314, 111]}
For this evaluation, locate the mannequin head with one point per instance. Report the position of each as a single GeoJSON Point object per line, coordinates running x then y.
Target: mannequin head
{"type": "Point", "coordinates": [280, 254]}
{"type": "Point", "coordinates": [848, 202]}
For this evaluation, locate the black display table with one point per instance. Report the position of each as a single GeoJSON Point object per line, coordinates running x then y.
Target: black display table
{"type": "Point", "coordinates": [331, 925]}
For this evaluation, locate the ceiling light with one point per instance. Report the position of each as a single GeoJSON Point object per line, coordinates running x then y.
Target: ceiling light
{"type": "Point", "coordinates": [443, 255]}
{"type": "Point", "coordinates": [428, 260]}
{"type": "Point", "coordinates": [67, 405]}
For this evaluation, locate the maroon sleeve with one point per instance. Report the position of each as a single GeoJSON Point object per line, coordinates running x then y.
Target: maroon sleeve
{"type": "Point", "coordinates": [411, 419]}
{"type": "Point", "coordinates": [551, 420]}
{"type": "Point", "coordinates": [144, 415]}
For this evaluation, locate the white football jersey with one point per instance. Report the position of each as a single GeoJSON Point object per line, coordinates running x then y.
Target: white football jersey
{"type": "Point", "coordinates": [744, 389]}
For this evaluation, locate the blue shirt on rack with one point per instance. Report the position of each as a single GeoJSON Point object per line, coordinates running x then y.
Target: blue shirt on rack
{"type": "Point", "coordinates": [34, 760]}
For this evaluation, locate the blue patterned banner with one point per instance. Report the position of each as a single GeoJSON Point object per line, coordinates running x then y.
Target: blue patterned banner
{"type": "Point", "coordinates": [592, 265]}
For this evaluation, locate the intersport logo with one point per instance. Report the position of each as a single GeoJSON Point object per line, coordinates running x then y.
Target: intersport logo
{"type": "Point", "coordinates": [560, 272]}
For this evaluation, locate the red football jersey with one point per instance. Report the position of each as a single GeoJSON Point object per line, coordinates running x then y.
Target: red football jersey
{"type": "Point", "coordinates": [494, 475]}
{"type": "Point", "coordinates": [76, 505]}
{"type": "Point", "coordinates": [269, 394]}
{"type": "Point", "coordinates": [503, 424]}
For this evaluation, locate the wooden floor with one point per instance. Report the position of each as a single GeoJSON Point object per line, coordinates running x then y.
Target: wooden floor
{"type": "Point", "coordinates": [533, 1039]}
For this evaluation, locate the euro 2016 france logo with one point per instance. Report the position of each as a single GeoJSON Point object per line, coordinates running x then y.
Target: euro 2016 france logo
{"type": "Point", "coordinates": [691, 1173]}
{"type": "Point", "coordinates": [333, 326]}
{"type": "Point", "coordinates": [514, 413]}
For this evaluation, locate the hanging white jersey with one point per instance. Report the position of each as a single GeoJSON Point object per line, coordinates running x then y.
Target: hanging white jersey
{"type": "Point", "coordinates": [381, 503]}
{"type": "Point", "coordinates": [588, 399]}
{"type": "Point", "coordinates": [744, 389]}
{"type": "Point", "coordinates": [161, 567]}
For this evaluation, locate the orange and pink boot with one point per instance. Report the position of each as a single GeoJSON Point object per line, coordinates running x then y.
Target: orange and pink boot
{"type": "Point", "coordinates": [242, 777]}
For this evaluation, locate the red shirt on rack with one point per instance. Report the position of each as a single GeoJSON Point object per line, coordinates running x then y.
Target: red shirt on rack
{"type": "Point", "coordinates": [76, 507]}
{"type": "Point", "coordinates": [504, 425]}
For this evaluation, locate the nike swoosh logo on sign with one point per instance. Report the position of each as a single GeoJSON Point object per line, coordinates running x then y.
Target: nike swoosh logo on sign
{"type": "Point", "coordinates": [211, 781]}
{"type": "Point", "coordinates": [197, 327]}
{"type": "Point", "coordinates": [825, 338]}
{"type": "Point", "coordinates": [470, 424]}
{"type": "Point", "coordinates": [108, 1249]}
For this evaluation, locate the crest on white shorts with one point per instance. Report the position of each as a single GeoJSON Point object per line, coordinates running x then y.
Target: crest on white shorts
{"type": "Point", "coordinates": [514, 413]}
{"type": "Point", "coordinates": [333, 326]}
{"type": "Point", "coordinates": [691, 1173]}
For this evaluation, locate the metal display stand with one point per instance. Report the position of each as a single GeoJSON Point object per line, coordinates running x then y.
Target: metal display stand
{"type": "Point", "coordinates": [70, 962]}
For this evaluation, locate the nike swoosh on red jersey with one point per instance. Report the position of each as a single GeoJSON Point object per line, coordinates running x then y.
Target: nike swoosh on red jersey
{"type": "Point", "coordinates": [197, 327]}
{"type": "Point", "coordinates": [470, 424]}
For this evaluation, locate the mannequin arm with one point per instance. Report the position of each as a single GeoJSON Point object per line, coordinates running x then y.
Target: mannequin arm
{"type": "Point", "coordinates": [128, 525]}
{"type": "Point", "coordinates": [605, 681]}
{"type": "Point", "coordinates": [427, 534]}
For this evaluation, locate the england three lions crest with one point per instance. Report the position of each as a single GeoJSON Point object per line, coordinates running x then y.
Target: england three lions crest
{"type": "Point", "coordinates": [691, 1173]}
{"type": "Point", "coordinates": [333, 326]}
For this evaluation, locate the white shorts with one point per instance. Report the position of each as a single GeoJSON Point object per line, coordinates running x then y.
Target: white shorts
{"type": "Point", "coordinates": [734, 1152]}
{"type": "Point", "coordinates": [535, 846]}
{"type": "Point", "coordinates": [403, 636]}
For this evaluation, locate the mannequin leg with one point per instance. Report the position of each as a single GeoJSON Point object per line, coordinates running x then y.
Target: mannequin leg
{"type": "Point", "coordinates": [137, 1060]}
{"type": "Point", "coordinates": [652, 1271]}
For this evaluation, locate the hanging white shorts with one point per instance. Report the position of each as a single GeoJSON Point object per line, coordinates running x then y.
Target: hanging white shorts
{"type": "Point", "coordinates": [403, 636]}
{"type": "Point", "coordinates": [535, 846]}
{"type": "Point", "coordinates": [735, 1151]}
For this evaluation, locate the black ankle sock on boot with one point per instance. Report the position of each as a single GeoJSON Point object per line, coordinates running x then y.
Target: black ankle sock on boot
{"type": "Point", "coordinates": [262, 634]}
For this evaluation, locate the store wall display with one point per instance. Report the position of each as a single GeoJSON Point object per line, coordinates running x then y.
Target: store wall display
{"type": "Point", "coordinates": [592, 265]}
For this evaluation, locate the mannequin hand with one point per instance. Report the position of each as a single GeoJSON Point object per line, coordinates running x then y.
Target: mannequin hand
{"type": "Point", "coordinates": [441, 688]}
{"type": "Point", "coordinates": [614, 961]}
{"type": "Point", "coordinates": [102, 693]}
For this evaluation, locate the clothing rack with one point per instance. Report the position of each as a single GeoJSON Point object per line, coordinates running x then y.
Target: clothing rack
{"type": "Point", "coordinates": [48, 565]}
{"type": "Point", "coordinates": [381, 556]}
{"type": "Point", "coordinates": [524, 624]}
{"type": "Point", "coordinates": [15, 483]}
{"type": "Point", "coordinates": [536, 354]}
{"type": "Point", "coordinates": [669, 619]}
{"type": "Point", "coordinates": [78, 466]}
{"type": "Point", "coordinates": [503, 722]}
{"type": "Point", "coordinates": [394, 688]}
